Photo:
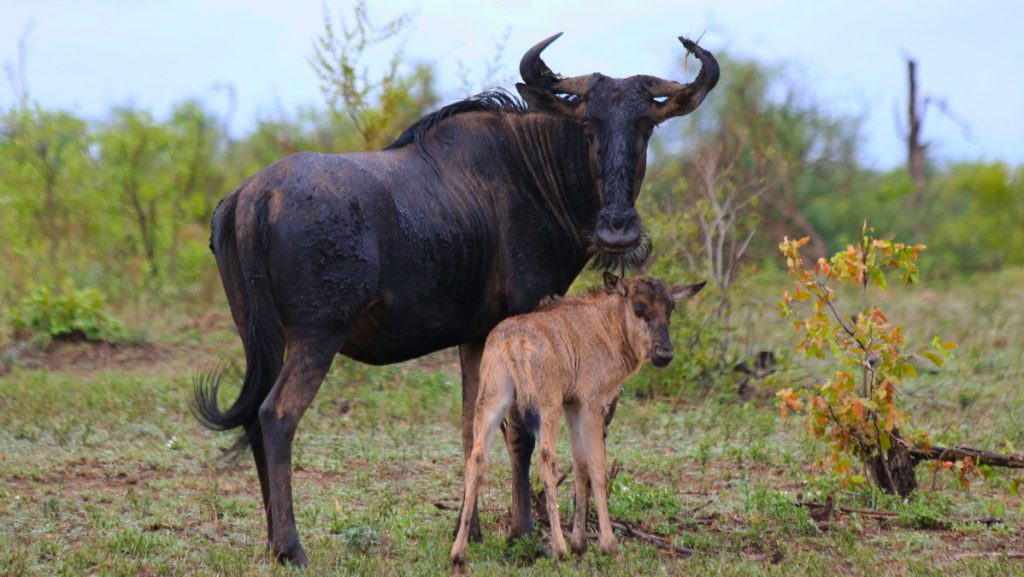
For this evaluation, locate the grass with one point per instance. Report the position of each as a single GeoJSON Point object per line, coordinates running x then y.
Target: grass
{"type": "Point", "coordinates": [104, 471]}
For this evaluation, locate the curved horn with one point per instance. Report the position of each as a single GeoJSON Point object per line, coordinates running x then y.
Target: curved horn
{"type": "Point", "coordinates": [533, 70]}
{"type": "Point", "coordinates": [536, 73]}
{"type": "Point", "coordinates": [684, 98]}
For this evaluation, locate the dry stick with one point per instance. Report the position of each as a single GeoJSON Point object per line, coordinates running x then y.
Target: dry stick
{"type": "Point", "coordinates": [633, 531]}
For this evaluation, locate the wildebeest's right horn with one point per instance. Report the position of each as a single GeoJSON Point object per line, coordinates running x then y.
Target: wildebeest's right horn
{"type": "Point", "coordinates": [536, 73]}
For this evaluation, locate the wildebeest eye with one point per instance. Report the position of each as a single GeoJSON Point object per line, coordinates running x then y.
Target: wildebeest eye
{"type": "Point", "coordinates": [639, 309]}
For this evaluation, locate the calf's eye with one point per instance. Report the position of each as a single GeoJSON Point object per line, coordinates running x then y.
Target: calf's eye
{"type": "Point", "coordinates": [639, 309]}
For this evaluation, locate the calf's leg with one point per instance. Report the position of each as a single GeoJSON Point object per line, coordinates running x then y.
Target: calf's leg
{"type": "Point", "coordinates": [581, 479]}
{"type": "Point", "coordinates": [593, 426]}
{"type": "Point", "coordinates": [492, 405]}
{"type": "Point", "coordinates": [550, 423]}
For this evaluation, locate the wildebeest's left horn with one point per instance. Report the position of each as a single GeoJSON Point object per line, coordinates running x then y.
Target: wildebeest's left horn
{"type": "Point", "coordinates": [684, 98]}
{"type": "Point", "coordinates": [536, 73]}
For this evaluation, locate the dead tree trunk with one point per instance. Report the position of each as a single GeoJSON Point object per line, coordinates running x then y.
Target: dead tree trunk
{"type": "Point", "coordinates": [893, 470]}
{"type": "Point", "coordinates": [915, 148]}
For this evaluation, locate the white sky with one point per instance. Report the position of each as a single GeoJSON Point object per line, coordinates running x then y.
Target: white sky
{"type": "Point", "coordinates": [87, 56]}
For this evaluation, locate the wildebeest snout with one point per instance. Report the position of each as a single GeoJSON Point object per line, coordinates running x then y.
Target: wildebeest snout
{"type": "Point", "coordinates": [618, 230]}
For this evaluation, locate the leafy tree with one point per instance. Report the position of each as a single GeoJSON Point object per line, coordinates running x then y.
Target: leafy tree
{"type": "Point", "coordinates": [196, 176]}
{"type": "Point", "coordinates": [133, 155]}
{"type": "Point", "coordinates": [976, 216]}
{"type": "Point", "coordinates": [47, 154]}
{"type": "Point", "coordinates": [378, 108]}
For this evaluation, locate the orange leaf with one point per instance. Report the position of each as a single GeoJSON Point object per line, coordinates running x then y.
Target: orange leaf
{"type": "Point", "coordinates": [890, 422]}
{"type": "Point", "coordinates": [858, 409]}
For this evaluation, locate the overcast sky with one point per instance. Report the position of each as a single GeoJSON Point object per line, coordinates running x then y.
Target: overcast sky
{"type": "Point", "coordinates": [87, 56]}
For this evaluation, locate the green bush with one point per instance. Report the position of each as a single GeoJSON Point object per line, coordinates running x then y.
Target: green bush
{"type": "Point", "coordinates": [72, 314]}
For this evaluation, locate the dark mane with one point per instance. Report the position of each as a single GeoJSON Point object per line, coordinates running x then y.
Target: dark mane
{"type": "Point", "coordinates": [497, 100]}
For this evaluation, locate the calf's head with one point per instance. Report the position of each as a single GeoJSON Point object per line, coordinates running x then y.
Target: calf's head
{"type": "Point", "coordinates": [650, 303]}
{"type": "Point", "coordinates": [618, 116]}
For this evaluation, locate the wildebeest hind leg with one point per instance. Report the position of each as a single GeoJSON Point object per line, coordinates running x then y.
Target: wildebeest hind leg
{"type": "Point", "coordinates": [305, 366]}
{"type": "Point", "coordinates": [255, 437]}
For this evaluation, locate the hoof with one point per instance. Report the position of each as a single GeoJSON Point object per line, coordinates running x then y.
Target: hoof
{"type": "Point", "coordinates": [558, 548]}
{"type": "Point", "coordinates": [609, 548]}
{"type": "Point", "coordinates": [521, 530]}
{"type": "Point", "coordinates": [294, 556]}
{"type": "Point", "coordinates": [459, 566]}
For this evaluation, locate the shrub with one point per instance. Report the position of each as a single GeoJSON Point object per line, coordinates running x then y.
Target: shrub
{"type": "Point", "coordinates": [857, 411]}
{"type": "Point", "coordinates": [71, 314]}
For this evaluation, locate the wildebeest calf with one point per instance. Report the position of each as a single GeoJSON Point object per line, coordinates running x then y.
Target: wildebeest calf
{"type": "Point", "coordinates": [571, 353]}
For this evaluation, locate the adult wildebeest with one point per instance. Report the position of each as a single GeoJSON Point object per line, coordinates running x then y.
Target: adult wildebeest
{"type": "Point", "coordinates": [474, 214]}
{"type": "Point", "coordinates": [572, 354]}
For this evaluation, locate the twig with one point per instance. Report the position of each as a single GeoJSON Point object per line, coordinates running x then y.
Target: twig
{"type": "Point", "coordinates": [940, 523]}
{"type": "Point", "coordinates": [977, 554]}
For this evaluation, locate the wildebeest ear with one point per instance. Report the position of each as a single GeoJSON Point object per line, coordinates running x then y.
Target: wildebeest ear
{"type": "Point", "coordinates": [543, 100]}
{"type": "Point", "coordinates": [614, 284]}
{"type": "Point", "coordinates": [685, 291]}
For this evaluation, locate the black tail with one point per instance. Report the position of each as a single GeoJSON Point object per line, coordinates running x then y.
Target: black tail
{"type": "Point", "coordinates": [262, 336]}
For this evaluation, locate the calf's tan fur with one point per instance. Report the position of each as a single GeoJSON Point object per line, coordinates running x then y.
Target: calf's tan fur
{"type": "Point", "coordinates": [570, 354]}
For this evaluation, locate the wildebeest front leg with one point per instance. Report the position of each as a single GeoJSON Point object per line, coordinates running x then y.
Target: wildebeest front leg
{"type": "Point", "coordinates": [490, 409]}
{"type": "Point", "coordinates": [303, 372]}
{"type": "Point", "coordinates": [469, 356]}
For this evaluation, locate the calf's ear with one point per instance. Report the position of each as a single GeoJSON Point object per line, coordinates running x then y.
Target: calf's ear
{"type": "Point", "coordinates": [614, 284]}
{"type": "Point", "coordinates": [685, 291]}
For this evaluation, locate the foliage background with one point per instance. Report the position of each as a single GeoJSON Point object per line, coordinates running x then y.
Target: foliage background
{"type": "Point", "coordinates": [105, 471]}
